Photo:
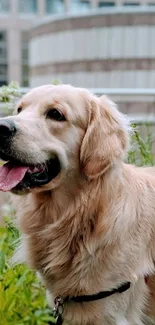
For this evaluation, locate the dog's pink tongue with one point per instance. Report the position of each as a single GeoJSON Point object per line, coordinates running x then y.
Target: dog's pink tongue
{"type": "Point", "coordinates": [10, 176]}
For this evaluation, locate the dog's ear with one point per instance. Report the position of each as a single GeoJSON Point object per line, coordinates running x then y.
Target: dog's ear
{"type": "Point", "coordinates": [106, 138]}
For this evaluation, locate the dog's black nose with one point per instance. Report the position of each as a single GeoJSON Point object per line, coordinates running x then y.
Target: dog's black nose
{"type": "Point", "coordinates": [7, 128]}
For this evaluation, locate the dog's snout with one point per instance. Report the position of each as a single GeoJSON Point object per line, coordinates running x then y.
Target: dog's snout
{"type": "Point", "coordinates": [7, 128]}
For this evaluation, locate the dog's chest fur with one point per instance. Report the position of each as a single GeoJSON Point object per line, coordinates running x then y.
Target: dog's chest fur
{"type": "Point", "coordinates": [78, 252]}
{"type": "Point", "coordinates": [68, 249]}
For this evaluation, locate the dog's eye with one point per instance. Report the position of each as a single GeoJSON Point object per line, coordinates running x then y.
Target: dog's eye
{"type": "Point", "coordinates": [55, 114]}
{"type": "Point", "coordinates": [19, 109]}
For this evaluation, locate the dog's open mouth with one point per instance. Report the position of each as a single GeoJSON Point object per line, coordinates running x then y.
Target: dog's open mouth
{"type": "Point", "coordinates": [16, 176]}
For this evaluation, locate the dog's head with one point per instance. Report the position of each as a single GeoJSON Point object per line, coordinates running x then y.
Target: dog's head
{"type": "Point", "coordinates": [57, 133]}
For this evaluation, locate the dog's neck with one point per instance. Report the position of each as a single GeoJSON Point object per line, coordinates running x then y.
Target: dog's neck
{"type": "Point", "coordinates": [60, 224]}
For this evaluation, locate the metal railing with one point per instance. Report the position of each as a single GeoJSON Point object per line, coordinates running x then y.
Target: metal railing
{"type": "Point", "coordinates": [118, 95]}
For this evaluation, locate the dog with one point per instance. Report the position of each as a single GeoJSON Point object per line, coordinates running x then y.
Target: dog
{"type": "Point", "coordinates": [87, 218]}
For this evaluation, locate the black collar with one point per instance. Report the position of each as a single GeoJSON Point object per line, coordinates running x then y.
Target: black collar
{"type": "Point", "coordinates": [99, 295]}
{"type": "Point", "coordinates": [59, 301]}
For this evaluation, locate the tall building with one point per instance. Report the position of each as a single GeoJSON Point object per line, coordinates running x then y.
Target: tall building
{"type": "Point", "coordinates": [18, 16]}
{"type": "Point", "coordinates": [105, 48]}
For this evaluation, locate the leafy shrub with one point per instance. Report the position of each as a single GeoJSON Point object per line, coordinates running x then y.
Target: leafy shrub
{"type": "Point", "coordinates": [7, 93]}
{"type": "Point", "coordinates": [22, 297]}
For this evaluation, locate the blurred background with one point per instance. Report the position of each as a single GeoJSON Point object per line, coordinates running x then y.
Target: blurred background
{"type": "Point", "coordinates": [105, 45]}
{"type": "Point", "coordinates": [91, 43]}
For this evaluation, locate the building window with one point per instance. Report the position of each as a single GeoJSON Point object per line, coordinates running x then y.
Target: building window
{"type": "Point", "coordinates": [3, 83]}
{"type": "Point", "coordinates": [4, 6]}
{"type": "Point", "coordinates": [27, 6]}
{"type": "Point", "coordinates": [79, 5]}
{"type": "Point", "coordinates": [25, 76]}
{"type": "Point", "coordinates": [3, 59]}
{"type": "Point", "coordinates": [131, 4]}
{"type": "Point", "coordinates": [25, 59]}
{"type": "Point", "coordinates": [2, 37]}
{"type": "Point", "coordinates": [55, 6]}
{"type": "Point", "coordinates": [3, 69]}
{"type": "Point", "coordinates": [106, 4]}
{"type": "Point", "coordinates": [3, 53]}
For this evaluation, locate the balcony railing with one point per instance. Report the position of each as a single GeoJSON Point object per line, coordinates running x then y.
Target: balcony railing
{"type": "Point", "coordinates": [135, 98]}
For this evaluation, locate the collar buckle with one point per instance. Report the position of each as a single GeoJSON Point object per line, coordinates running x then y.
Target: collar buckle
{"type": "Point", "coordinates": [58, 310]}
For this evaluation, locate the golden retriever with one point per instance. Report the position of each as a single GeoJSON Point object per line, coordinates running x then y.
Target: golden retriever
{"type": "Point", "coordinates": [87, 218]}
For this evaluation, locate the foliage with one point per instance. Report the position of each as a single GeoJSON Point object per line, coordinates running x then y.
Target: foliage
{"type": "Point", "coordinates": [22, 298]}
{"type": "Point", "coordinates": [56, 82]}
{"type": "Point", "coordinates": [7, 93]}
{"type": "Point", "coordinates": [141, 150]}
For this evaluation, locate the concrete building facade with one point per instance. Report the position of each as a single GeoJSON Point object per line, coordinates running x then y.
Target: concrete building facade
{"type": "Point", "coordinates": [18, 16]}
{"type": "Point", "coordinates": [108, 48]}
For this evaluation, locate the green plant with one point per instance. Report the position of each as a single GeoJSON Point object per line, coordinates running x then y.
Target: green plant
{"type": "Point", "coordinates": [56, 82]}
{"type": "Point", "coordinates": [22, 297]}
{"type": "Point", "coordinates": [141, 152]}
{"type": "Point", "coordinates": [7, 93]}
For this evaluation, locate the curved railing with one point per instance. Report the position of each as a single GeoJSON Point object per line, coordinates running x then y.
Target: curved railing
{"type": "Point", "coordinates": [140, 99]}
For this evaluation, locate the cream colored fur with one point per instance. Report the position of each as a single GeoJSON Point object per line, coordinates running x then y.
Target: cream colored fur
{"type": "Point", "coordinates": [93, 227]}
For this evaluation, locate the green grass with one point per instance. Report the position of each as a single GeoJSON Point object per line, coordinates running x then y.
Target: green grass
{"type": "Point", "coordinates": [22, 297]}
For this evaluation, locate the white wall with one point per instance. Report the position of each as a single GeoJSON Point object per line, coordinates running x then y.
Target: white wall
{"type": "Point", "coordinates": [100, 43]}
